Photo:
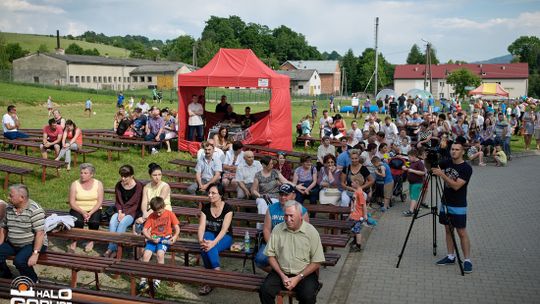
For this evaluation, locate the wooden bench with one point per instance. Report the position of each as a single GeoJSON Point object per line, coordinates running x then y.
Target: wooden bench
{"type": "Point", "coordinates": [125, 141]}
{"type": "Point", "coordinates": [13, 170]}
{"type": "Point", "coordinates": [108, 148]}
{"type": "Point", "coordinates": [81, 295]}
{"type": "Point", "coordinates": [327, 240]}
{"type": "Point", "coordinates": [44, 163]}
{"type": "Point", "coordinates": [275, 151]}
{"type": "Point", "coordinates": [184, 162]}
{"type": "Point", "coordinates": [75, 263]}
{"type": "Point", "coordinates": [183, 274]}
{"type": "Point", "coordinates": [33, 143]}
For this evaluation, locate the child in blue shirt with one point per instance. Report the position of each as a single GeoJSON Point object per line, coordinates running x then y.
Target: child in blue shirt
{"type": "Point", "coordinates": [384, 182]}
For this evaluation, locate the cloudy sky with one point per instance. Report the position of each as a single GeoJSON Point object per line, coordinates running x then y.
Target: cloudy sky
{"type": "Point", "coordinates": [459, 29]}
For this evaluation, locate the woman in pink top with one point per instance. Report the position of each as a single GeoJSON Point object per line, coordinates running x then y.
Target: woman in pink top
{"type": "Point", "coordinates": [71, 140]}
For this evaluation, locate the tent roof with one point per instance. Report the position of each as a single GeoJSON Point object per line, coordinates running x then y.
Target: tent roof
{"type": "Point", "coordinates": [233, 68]}
{"type": "Point", "coordinates": [489, 89]}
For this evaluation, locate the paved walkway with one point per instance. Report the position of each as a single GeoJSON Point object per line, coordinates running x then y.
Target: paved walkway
{"type": "Point", "coordinates": [504, 226]}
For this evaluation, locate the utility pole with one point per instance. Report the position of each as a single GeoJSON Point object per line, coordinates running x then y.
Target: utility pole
{"type": "Point", "coordinates": [343, 82]}
{"type": "Point", "coordinates": [427, 69]}
{"type": "Point", "coordinates": [194, 59]}
{"type": "Point", "coordinates": [376, 54]}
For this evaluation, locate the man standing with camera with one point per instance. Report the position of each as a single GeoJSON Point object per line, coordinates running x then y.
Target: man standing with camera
{"type": "Point", "coordinates": [456, 174]}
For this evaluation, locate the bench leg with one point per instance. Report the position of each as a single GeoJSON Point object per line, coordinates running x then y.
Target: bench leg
{"type": "Point", "coordinates": [75, 156]}
{"type": "Point", "coordinates": [97, 280]}
{"type": "Point", "coordinates": [186, 259]}
{"type": "Point", "coordinates": [132, 286]}
{"type": "Point", "coordinates": [279, 299]}
{"type": "Point", "coordinates": [109, 155]}
{"type": "Point", "coordinates": [73, 278]}
{"type": "Point", "coordinates": [142, 151]}
{"type": "Point", "coordinates": [6, 181]}
{"type": "Point", "coordinates": [119, 252]}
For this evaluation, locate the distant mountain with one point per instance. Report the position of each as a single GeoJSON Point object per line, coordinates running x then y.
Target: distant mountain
{"type": "Point", "coordinates": [502, 59]}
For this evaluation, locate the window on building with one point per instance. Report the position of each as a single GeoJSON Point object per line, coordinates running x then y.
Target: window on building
{"type": "Point", "coordinates": [114, 79]}
{"type": "Point", "coordinates": [441, 95]}
{"type": "Point", "coordinates": [300, 87]}
{"type": "Point", "coordinates": [149, 79]}
{"type": "Point", "coordinates": [452, 95]}
{"type": "Point", "coordinates": [36, 79]}
{"type": "Point", "coordinates": [141, 79]}
{"type": "Point", "coordinates": [88, 79]}
{"type": "Point", "coordinates": [100, 80]}
{"type": "Point", "coordinates": [95, 78]}
{"type": "Point", "coordinates": [110, 79]}
{"type": "Point", "coordinates": [126, 79]}
{"type": "Point", "coordinates": [83, 79]}
{"type": "Point", "coordinates": [134, 78]}
{"type": "Point", "coordinates": [77, 79]}
{"type": "Point", "coordinates": [71, 79]}
{"type": "Point", "coordinates": [441, 84]}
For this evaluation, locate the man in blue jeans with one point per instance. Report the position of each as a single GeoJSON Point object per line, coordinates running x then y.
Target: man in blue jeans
{"type": "Point", "coordinates": [10, 124]}
{"type": "Point", "coordinates": [22, 234]}
{"type": "Point", "coordinates": [275, 215]}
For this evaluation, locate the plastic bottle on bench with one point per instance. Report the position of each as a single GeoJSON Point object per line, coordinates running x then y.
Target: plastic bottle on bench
{"type": "Point", "coordinates": [247, 243]}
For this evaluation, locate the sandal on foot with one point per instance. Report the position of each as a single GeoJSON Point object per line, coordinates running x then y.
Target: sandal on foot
{"type": "Point", "coordinates": [205, 290]}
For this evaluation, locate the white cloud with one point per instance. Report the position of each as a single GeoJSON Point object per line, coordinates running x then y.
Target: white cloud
{"type": "Point", "coordinates": [25, 6]}
{"type": "Point", "coordinates": [76, 28]}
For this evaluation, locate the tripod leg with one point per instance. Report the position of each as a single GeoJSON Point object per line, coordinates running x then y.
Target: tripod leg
{"type": "Point", "coordinates": [415, 216]}
{"type": "Point", "coordinates": [458, 257]}
{"type": "Point", "coordinates": [434, 213]}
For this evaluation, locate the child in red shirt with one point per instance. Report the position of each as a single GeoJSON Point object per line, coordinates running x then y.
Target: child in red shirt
{"type": "Point", "coordinates": [158, 231]}
{"type": "Point", "coordinates": [358, 211]}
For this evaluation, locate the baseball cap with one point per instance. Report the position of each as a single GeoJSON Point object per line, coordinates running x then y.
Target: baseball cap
{"type": "Point", "coordinates": [286, 188]}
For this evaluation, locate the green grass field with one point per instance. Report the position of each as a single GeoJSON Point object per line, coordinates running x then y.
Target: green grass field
{"type": "Point", "coordinates": [30, 102]}
{"type": "Point", "coordinates": [32, 42]}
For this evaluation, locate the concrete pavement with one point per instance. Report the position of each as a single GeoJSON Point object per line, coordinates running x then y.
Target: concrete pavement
{"type": "Point", "coordinates": [503, 224]}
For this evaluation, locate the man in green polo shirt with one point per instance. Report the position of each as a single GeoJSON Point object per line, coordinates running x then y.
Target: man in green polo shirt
{"type": "Point", "coordinates": [22, 233]}
{"type": "Point", "coordinates": [295, 253]}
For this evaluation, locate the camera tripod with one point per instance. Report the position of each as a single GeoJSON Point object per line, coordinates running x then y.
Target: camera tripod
{"type": "Point", "coordinates": [433, 183]}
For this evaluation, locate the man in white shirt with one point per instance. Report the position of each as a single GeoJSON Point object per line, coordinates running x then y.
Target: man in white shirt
{"type": "Point", "coordinates": [218, 153]}
{"type": "Point", "coordinates": [355, 103]}
{"type": "Point", "coordinates": [390, 130]}
{"type": "Point", "coordinates": [356, 133]}
{"type": "Point", "coordinates": [324, 149]}
{"type": "Point", "coordinates": [207, 171]}
{"type": "Point", "coordinates": [478, 118]}
{"type": "Point", "coordinates": [234, 157]}
{"type": "Point", "coordinates": [10, 124]}
{"type": "Point", "coordinates": [325, 124]}
{"type": "Point", "coordinates": [245, 173]}
{"type": "Point", "coordinates": [371, 125]}
{"type": "Point", "coordinates": [143, 106]}
{"type": "Point", "coordinates": [195, 121]}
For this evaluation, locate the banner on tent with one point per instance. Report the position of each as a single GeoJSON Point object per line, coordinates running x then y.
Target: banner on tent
{"type": "Point", "coordinates": [262, 82]}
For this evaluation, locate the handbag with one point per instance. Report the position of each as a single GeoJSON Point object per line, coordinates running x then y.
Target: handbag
{"type": "Point", "coordinates": [329, 196]}
{"type": "Point", "coordinates": [107, 213]}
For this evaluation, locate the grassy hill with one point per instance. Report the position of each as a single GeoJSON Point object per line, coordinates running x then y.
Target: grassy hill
{"type": "Point", "coordinates": [32, 42]}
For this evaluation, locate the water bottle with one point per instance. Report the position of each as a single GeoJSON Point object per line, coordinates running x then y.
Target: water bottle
{"type": "Point", "coordinates": [247, 243]}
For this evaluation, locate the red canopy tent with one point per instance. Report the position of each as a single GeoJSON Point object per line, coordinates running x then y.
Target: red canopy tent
{"type": "Point", "coordinates": [490, 89]}
{"type": "Point", "coordinates": [242, 69]}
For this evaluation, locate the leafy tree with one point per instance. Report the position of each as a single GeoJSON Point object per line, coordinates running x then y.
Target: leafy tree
{"type": "Point", "coordinates": [350, 63]}
{"type": "Point", "coordinates": [205, 51]}
{"type": "Point", "coordinates": [415, 56]}
{"type": "Point", "coordinates": [534, 85]}
{"type": "Point", "coordinates": [527, 49]}
{"type": "Point", "coordinates": [418, 57]}
{"type": "Point", "coordinates": [138, 51]}
{"type": "Point", "coordinates": [93, 52]}
{"type": "Point", "coordinates": [366, 66]}
{"type": "Point", "coordinates": [43, 48]}
{"type": "Point", "coordinates": [14, 51]}
{"type": "Point", "coordinates": [4, 57]}
{"type": "Point", "coordinates": [179, 49]}
{"type": "Point", "coordinates": [74, 49]}
{"type": "Point", "coordinates": [334, 56]}
{"type": "Point", "coordinates": [223, 31]}
{"type": "Point", "coordinates": [462, 78]}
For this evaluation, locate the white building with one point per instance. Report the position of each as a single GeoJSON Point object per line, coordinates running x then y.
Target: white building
{"type": "Point", "coordinates": [513, 77]}
{"type": "Point", "coordinates": [304, 82]}
{"type": "Point", "coordinates": [95, 72]}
